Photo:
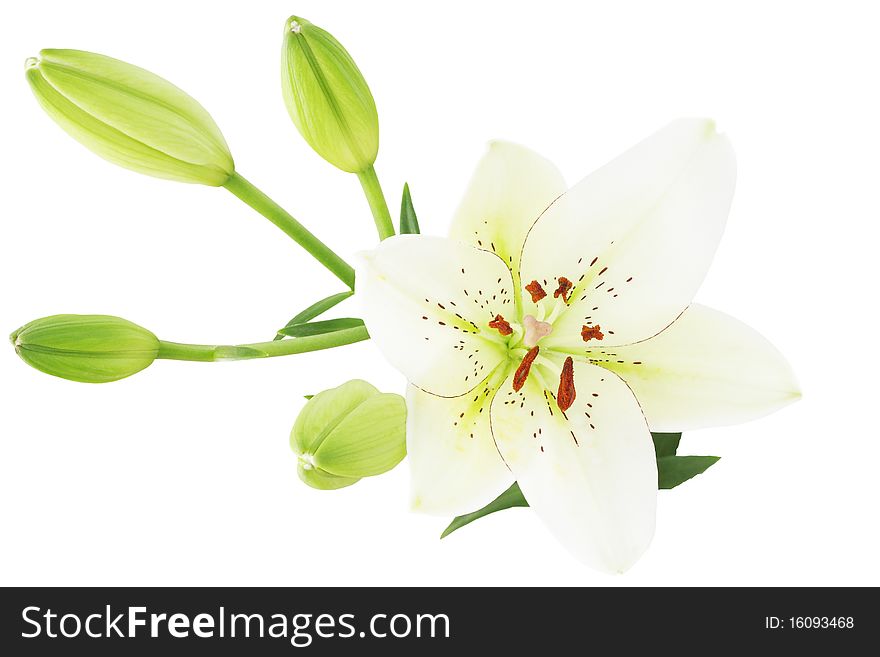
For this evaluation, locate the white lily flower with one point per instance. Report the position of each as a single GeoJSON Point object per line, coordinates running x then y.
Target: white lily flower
{"type": "Point", "coordinates": [542, 351]}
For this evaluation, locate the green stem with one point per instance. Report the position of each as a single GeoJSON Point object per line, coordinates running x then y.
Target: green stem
{"type": "Point", "coordinates": [376, 199]}
{"type": "Point", "coordinates": [215, 353]}
{"type": "Point", "coordinates": [300, 234]}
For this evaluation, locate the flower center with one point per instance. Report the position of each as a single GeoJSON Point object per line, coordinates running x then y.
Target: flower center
{"type": "Point", "coordinates": [529, 333]}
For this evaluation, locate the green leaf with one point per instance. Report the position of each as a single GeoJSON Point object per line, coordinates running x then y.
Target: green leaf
{"type": "Point", "coordinates": [675, 470]}
{"type": "Point", "coordinates": [510, 498]}
{"type": "Point", "coordinates": [672, 470]}
{"type": "Point", "coordinates": [319, 328]}
{"type": "Point", "coordinates": [409, 224]}
{"type": "Point", "coordinates": [666, 444]}
{"type": "Point", "coordinates": [307, 396]}
{"type": "Point", "coordinates": [317, 308]}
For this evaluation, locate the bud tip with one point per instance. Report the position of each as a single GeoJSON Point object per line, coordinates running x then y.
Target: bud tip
{"type": "Point", "coordinates": [295, 27]}
{"type": "Point", "coordinates": [31, 62]}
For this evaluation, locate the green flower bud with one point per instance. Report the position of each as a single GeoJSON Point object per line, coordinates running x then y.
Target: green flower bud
{"type": "Point", "coordinates": [130, 116]}
{"type": "Point", "coordinates": [327, 97]}
{"type": "Point", "coordinates": [349, 432]}
{"type": "Point", "coordinates": [86, 348]}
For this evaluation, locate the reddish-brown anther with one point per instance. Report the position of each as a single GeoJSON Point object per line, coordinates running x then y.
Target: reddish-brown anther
{"type": "Point", "coordinates": [501, 324]}
{"type": "Point", "coordinates": [592, 333]}
{"type": "Point", "coordinates": [534, 288]}
{"type": "Point", "coordinates": [522, 372]}
{"type": "Point", "coordinates": [564, 288]}
{"type": "Point", "coordinates": [566, 394]}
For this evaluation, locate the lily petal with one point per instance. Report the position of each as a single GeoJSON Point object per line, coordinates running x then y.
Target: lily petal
{"type": "Point", "coordinates": [706, 369]}
{"type": "Point", "coordinates": [637, 236]}
{"type": "Point", "coordinates": [511, 187]}
{"type": "Point", "coordinates": [427, 302]}
{"type": "Point", "coordinates": [589, 473]}
{"type": "Point", "coordinates": [454, 464]}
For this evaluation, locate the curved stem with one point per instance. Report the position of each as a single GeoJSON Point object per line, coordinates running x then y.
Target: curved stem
{"type": "Point", "coordinates": [215, 353]}
{"type": "Point", "coordinates": [376, 199]}
{"type": "Point", "coordinates": [300, 234]}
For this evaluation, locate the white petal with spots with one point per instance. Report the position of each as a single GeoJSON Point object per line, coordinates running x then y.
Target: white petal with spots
{"type": "Point", "coordinates": [455, 467]}
{"type": "Point", "coordinates": [707, 369]}
{"type": "Point", "coordinates": [427, 302]}
{"type": "Point", "coordinates": [511, 187]}
{"type": "Point", "coordinates": [637, 236]}
{"type": "Point", "coordinates": [590, 474]}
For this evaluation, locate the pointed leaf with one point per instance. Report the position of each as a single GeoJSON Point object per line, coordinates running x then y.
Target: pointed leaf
{"type": "Point", "coordinates": [675, 470]}
{"type": "Point", "coordinates": [666, 444]}
{"type": "Point", "coordinates": [319, 328]}
{"type": "Point", "coordinates": [317, 308]}
{"type": "Point", "coordinates": [409, 224]}
{"type": "Point", "coordinates": [510, 498]}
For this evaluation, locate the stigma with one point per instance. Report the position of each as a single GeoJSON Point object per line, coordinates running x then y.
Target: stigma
{"type": "Point", "coordinates": [535, 330]}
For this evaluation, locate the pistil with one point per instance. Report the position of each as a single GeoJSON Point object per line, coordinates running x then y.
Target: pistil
{"type": "Point", "coordinates": [535, 330]}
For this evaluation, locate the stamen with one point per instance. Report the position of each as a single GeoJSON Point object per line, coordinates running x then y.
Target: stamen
{"type": "Point", "coordinates": [534, 288]}
{"type": "Point", "coordinates": [564, 288]}
{"type": "Point", "coordinates": [535, 330]}
{"type": "Point", "coordinates": [501, 324]}
{"type": "Point", "coordinates": [566, 394]}
{"type": "Point", "coordinates": [522, 372]}
{"type": "Point", "coordinates": [592, 332]}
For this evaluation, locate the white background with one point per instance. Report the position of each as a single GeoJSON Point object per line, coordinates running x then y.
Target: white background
{"type": "Point", "coordinates": [183, 474]}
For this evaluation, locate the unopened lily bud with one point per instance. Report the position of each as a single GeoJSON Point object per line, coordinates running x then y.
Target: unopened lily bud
{"type": "Point", "coordinates": [327, 97]}
{"type": "Point", "coordinates": [86, 348]}
{"type": "Point", "coordinates": [130, 116]}
{"type": "Point", "coordinates": [349, 432]}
